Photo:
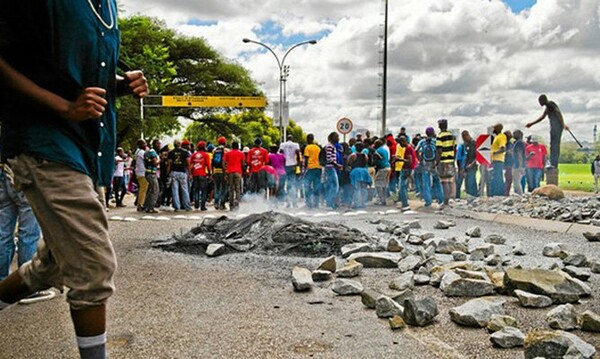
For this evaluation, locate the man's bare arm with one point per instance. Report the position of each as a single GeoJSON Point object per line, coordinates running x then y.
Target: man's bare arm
{"type": "Point", "coordinates": [542, 117]}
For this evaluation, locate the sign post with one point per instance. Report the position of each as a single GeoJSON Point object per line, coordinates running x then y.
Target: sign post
{"type": "Point", "coordinates": [483, 146]}
{"type": "Point", "coordinates": [344, 126]}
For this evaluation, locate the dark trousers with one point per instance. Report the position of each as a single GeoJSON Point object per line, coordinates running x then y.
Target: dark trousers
{"type": "Point", "coordinates": [199, 193]}
{"type": "Point", "coordinates": [220, 189]}
{"type": "Point", "coordinates": [555, 136]}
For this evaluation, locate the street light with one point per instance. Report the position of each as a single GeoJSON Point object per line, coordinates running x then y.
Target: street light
{"type": "Point", "coordinates": [283, 73]}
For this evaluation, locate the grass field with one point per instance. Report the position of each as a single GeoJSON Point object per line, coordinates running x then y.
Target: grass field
{"type": "Point", "coordinates": [576, 177]}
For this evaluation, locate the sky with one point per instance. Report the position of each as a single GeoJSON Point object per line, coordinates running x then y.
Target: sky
{"type": "Point", "coordinates": [474, 62]}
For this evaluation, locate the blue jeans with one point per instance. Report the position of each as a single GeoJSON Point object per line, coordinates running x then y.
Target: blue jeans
{"type": "Point", "coordinates": [332, 186]}
{"type": "Point", "coordinates": [291, 185]}
{"type": "Point", "coordinates": [403, 195]}
{"type": "Point", "coordinates": [220, 189]}
{"type": "Point", "coordinates": [471, 182]}
{"type": "Point", "coordinates": [360, 195]}
{"type": "Point", "coordinates": [497, 180]}
{"type": "Point", "coordinates": [431, 184]}
{"type": "Point", "coordinates": [534, 177]}
{"type": "Point", "coordinates": [312, 185]}
{"type": "Point", "coordinates": [418, 178]}
{"type": "Point", "coordinates": [179, 180]}
{"type": "Point", "coordinates": [14, 207]}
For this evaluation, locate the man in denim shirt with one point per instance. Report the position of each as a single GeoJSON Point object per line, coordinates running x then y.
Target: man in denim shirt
{"type": "Point", "coordinates": [58, 61]}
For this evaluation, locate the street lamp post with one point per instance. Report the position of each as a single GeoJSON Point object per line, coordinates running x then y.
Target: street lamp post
{"type": "Point", "coordinates": [283, 73]}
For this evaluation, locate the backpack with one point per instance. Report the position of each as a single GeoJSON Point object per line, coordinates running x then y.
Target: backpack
{"type": "Point", "coordinates": [217, 161]}
{"type": "Point", "coordinates": [323, 157]}
{"type": "Point", "coordinates": [428, 151]}
{"type": "Point", "coordinates": [375, 158]}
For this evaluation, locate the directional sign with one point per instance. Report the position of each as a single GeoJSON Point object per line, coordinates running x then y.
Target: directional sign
{"type": "Point", "coordinates": [213, 101]}
{"type": "Point", "coordinates": [344, 126]}
{"type": "Point", "coordinates": [484, 150]}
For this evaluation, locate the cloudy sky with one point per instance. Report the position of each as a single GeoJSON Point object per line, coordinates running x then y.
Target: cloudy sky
{"type": "Point", "coordinates": [475, 62]}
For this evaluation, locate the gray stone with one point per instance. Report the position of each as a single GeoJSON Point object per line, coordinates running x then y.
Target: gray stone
{"type": "Point", "coordinates": [369, 298]}
{"type": "Point", "coordinates": [384, 228]}
{"type": "Point", "coordinates": [414, 224]}
{"type": "Point", "coordinates": [409, 263]}
{"type": "Point", "coordinates": [321, 275]}
{"type": "Point", "coordinates": [557, 285]}
{"type": "Point", "coordinates": [595, 267]}
{"type": "Point", "coordinates": [474, 232]}
{"type": "Point", "coordinates": [437, 274]}
{"type": "Point", "coordinates": [396, 322]}
{"type": "Point", "coordinates": [530, 300]}
{"type": "Point", "coordinates": [401, 230]}
{"type": "Point", "coordinates": [580, 273]}
{"type": "Point", "coordinates": [498, 322]}
{"type": "Point", "coordinates": [347, 287]}
{"type": "Point", "coordinates": [215, 249]}
{"type": "Point", "coordinates": [427, 236]}
{"type": "Point", "coordinates": [459, 256]}
{"type": "Point", "coordinates": [386, 307]}
{"type": "Point", "coordinates": [350, 270]}
{"type": "Point", "coordinates": [562, 317]}
{"type": "Point", "coordinates": [495, 239]}
{"type": "Point", "coordinates": [442, 225]}
{"type": "Point", "coordinates": [353, 248]}
{"type": "Point", "coordinates": [447, 246]}
{"type": "Point", "coordinates": [302, 279]}
{"type": "Point", "coordinates": [482, 252]}
{"type": "Point", "coordinates": [508, 337]}
{"type": "Point", "coordinates": [403, 282]}
{"type": "Point", "coordinates": [394, 245]}
{"type": "Point", "coordinates": [556, 344]}
{"type": "Point", "coordinates": [518, 249]}
{"type": "Point", "coordinates": [421, 279]}
{"type": "Point", "coordinates": [415, 240]}
{"type": "Point", "coordinates": [328, 264]}
{"type": "Point", "coordinates": [589, 322]}
{"type": "Point", "coordinates": [555, 250]}
{"type": "Point", "coordinates": [400, 297]}
{"type": "Point", "coordinates": [577, 260]}
{"type": "Point", "coordinates": [508, 202]}
{"type": "Point", "coordinates": [477, 312]}
{"type": "Point", "coordinates": [420, 313]}
{"type": "Point", "coordinates": [377, 260]}
{"type": "Point", "coordinates": [472, 274]}
{"type": "Point", "coordinates": [592, 237]}
{"type": "Point", "coordinates": [453, 285]}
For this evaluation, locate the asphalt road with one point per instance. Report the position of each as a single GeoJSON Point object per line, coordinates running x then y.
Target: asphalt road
{"type": "Point", "coordinates": [172, 305]}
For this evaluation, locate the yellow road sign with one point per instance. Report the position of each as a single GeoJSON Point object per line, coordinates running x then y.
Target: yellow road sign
{"type": "Point", "coordinates": [213, 101]}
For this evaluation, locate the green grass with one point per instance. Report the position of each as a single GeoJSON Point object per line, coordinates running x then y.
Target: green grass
{"type": "Point", "coordinates": [575, 177]}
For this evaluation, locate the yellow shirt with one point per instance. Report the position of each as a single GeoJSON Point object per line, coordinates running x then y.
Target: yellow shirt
{"type": "Point", "coordinates": [499, 142]}
{"type": "Point", "coordinates": [312, 153]}
{"type": "Point", "coordinates": [399, 154]}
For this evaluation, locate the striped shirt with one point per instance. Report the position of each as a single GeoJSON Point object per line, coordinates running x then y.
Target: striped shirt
{"type": "Point", "coordinates": [331, 155]}
{"type": "Point", "coordinates": [447, 144]}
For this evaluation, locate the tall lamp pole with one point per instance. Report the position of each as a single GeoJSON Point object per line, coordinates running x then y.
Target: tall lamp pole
{"type": "Point", "coordinates": [282, 75]}
{"type": "Point", "coordinates": [385, 70]}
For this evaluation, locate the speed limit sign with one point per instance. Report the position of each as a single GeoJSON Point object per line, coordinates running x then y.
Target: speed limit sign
{"type": "Point", "coordinates": [344, 125]}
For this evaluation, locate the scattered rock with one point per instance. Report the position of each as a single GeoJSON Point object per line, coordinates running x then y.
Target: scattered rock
{"type": "Point", "coordinates": [562, 317]}
{"type": "Point", "coordinates": [350, 270]}
{"type": "Point", "coordinates": [459, 256]}
{"type": "Point", "coordinates": [302, 279]}
{"type": "Point", "coordinates": [592, 237]}
{"type": "Point", "coordinates": [453, 285]}
{"type": "Point", "coordinates": [328, 264]}
{"type": "Point", "coordinates": [580, 273]}
{"type": "Point", "coordinates": [557, 285]}
{"type": "Point", "coordinates": [396, 322]}
{"type": "Point", "coordinates": [384, 228]}
{"type": "Point", "coordinates": [477, 312]}
{"type": "Point", "coordinates": [472, 274]}
{"type": "Point", "coordinates": [350, 249]}
{"type": "Point", "coordinates": [386, 307]}
{"type": "Point", "coordinates": [447, 246]}
{"type": "Point", "coordinates": [508, 202]}
{"type": "Point", "coordinates": [347, 287]}
{"type": "Point", "coordinates": [508, 337]}
{"type": "Point", "coordinates": [479, 253]}
{"type": "Point", "coordinates": [400, 297]}
{"type": "Point", "coordinates": [377, 260]}
{"type": "Point", "coordinates": [414, 224]}
{"type": "Point", "coordinates": [495, 259]}
{"type": "Point", "coordinates": [474, 232]}
{"type": "Point", "coordinates": [420, 312]}
{"type": "Point", "coordinates": [215, 249]}
{"type": "Point", "coordinates": [437, 274]}
{"type": "Point", "coordinates": [577, 260]}
{"type": "Point", "coordinates": [442, 225]}
{"type": "Point", "coordinates": [495, 239]}
{"type": "Point", "coordinates": [409, 263]}
{"type": "Point", "coordinates": [555, 250]}
{"type": "Point", "coordinates": [405, 281]}
{"type": "Point", "coordinates": [497, 279]}
{"type": "Point", "coordinates": [394, 245]}
{"type": "Point", "coordinates": [427, 236]}
{"type": "Point", "coordinates": [595, 267]}
{"type": "Point", "coordinates": [369, 298]}
{"type": "Point", "coordinates": [421, 279]}
{"type": "Point", "coordinates": [321, 275]}
{"type": "Point", "coordinates": [589, 322]}
{"type": "Point", "coordinates": [556, 344]}
{"type": "Point", "coordinates": [518, 249]}
{"type": "Point", "coordinates": [530, 300]}
{"type": "Point", "coordinates": [498, 322]}
{"type": "Point", "coordinates": [415, 240]}
{"type": "Point", "coordinates": [550, 191]}
{"type": "Point", "coordinates": [400, 230]}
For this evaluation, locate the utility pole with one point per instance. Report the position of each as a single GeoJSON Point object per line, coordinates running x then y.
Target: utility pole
{"type": "Point", "coordinates": [385, 65]}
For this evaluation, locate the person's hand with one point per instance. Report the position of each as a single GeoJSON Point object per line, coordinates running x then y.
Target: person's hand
{"type": "Point", "coordinates": [566, 128]}
{"type": "Point", "coordinates": [136, 81]}
{"type": "Point", "coordinates": [90, 104]}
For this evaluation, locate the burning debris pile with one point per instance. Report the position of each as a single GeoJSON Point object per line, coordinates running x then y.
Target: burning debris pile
{"type": "Point", "coordinates": [265, 233]}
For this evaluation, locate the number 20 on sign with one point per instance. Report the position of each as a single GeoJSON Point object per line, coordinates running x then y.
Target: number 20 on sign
{"type": "Point", "coordinates": [344, 126]}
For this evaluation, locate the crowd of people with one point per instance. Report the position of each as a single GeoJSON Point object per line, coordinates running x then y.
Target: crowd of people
{"type": "Point", "coordinates": [365, 170]}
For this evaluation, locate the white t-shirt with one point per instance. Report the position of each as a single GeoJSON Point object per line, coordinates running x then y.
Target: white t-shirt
{"type": "Point", "coordinates": [119, 167]}
{"type": "Point", "coordinates": [140, 168]}
{"type": "Point", "coordinates": [289, 149]}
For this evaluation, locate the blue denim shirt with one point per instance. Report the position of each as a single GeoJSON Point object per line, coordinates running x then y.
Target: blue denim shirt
{"type": "Point", "coordinates": [64, 47]}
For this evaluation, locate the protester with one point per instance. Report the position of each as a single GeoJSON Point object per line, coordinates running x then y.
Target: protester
{"type": "Point", "coordinates": [359, 176]}
{"type": "Point", "coordinates": [536, 159]}
{"type": "Point", "coordinates": [409, 163]}
{"type": "Point", "coordinates": [470, 165]}
{"type": "Point", "coordinates": [140, 174]}
{"type": "Point", "coordinates": [257, 158]}
{"type": "Point", "coordinates": [219, 177]}
{"type": "Point", "coordinates": [427, 154]}
{"type": "Point", "coordinates": [498, 155]}
{"type": "Point", "coordinates": [177, 168]}
{"type": "Point", "coordinates": [118, 186]}
{"type": "Point", "coordinates": [461, 155]}
{"type": "Point", "coordinates": [164, 181]}
{"type": "Point", "coordinates": [291, 151]}
{"type": "Point", "coordinates": [519, 162]}
{"type": "Point", "coordinates": [557, 125]}
{"type": "Point", "coordinates": [151, 163]}
{"type": "Point", "coordinates": [329, 176]}
{"type": "Point", "coordinates": [277, 160]}
{"type": "Point", "coordinates": [200, 168]}
{"type": "Point", "coordinates": [234, 164]}
{"type": "Point", "coordinates": [446, 153]}
{"type": "Point", "coordinates": [508, 163]}
{"type": "Point", "coordinates": [312, 172]}
{"type": "Point", "coordinates": [382, 174]}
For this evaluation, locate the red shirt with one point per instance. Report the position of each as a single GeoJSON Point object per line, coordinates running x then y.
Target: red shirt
{"type": "Point", "coordinates": [200, 163]}
{"type": "Point", "coordinates": [537, 160]}
{"type": "Point", "coordinates": [234, 161]}
{"type": "Point", "coordinates": [409, 152]}
{"type": "Point", "coordinates": [257, 157]}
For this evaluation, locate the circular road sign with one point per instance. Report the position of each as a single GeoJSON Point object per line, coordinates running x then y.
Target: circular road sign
{"type": "Point", "coordinates": [344, 125]}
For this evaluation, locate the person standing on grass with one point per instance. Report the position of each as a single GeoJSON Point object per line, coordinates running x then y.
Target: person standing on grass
{"type": "Point", "coordinates": [58, 62]}
{"type": "Point", "coordinates": [557, 125]}
{"type": "Point", "coordinates": [596, 172]}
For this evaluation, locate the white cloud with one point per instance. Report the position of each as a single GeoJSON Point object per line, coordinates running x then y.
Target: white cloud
{"type": "Point", "coordinates": [472, 61]}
